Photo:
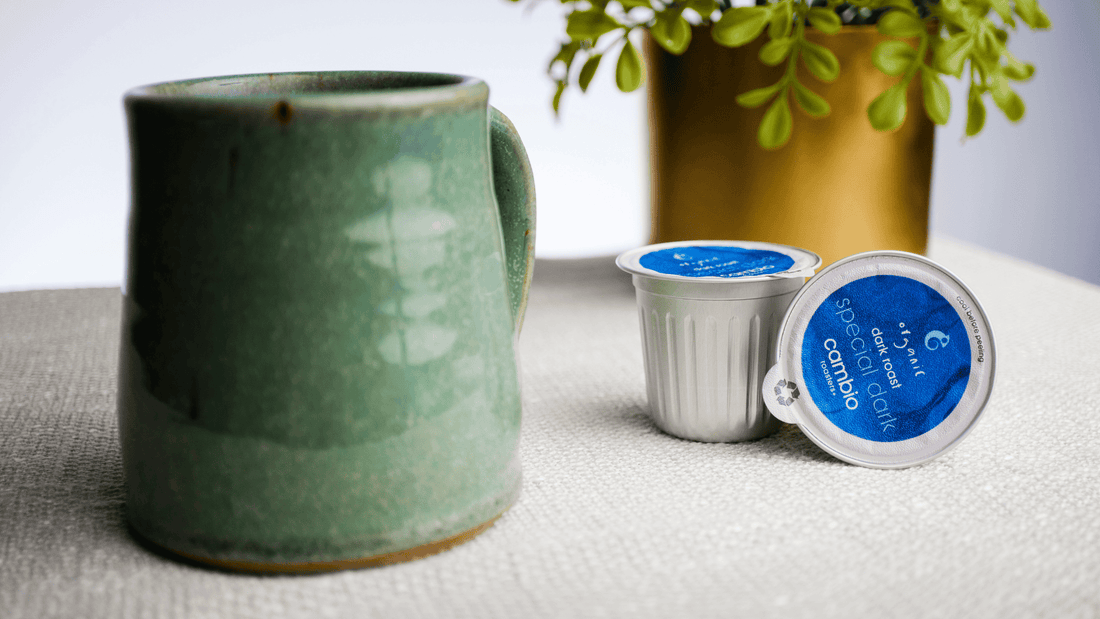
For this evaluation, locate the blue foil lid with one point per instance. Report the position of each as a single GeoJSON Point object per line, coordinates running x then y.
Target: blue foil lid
{"type": "Point", "coordinates": [884, 359]}
{"type": "Point", "coordinates": [716, 261]}
{"type": "Point", "coordinates": [719, 261]}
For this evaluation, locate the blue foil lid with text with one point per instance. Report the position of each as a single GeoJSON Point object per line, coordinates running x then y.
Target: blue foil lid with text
{"type": "Point", "coordinates": [884, 359]}
{"type": "Point", "coordinates": [719, 260]}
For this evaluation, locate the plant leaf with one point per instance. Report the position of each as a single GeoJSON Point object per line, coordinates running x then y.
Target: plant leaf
{"type": "Point", "coordinates": [672, 32]}
{"type": "Point", "coordinates": [775, 127]}
{"type": "Point", "coordinates": [589, 25]}
{"type": "Point", "coordinates": [775, 51]}
{"type": "Point", "coordinates": [705, 8]}
{"type": "Point", "coordinates": [811, 102]}
{"type": "Point", "coordinates": [628, 71]}
{"type": "Point", "coordinates": [899, 23]}
{"type": "Point", "coordinates": [989, 44]}
{"type": "Point", "coordinates": [557, 96]}
{"type": "Point", "coordinates": [1003, 8]}
{"type": "Point", "coordinates": [1018, 71]}
{"type": "Point", "coordinates": [951, 54]}
{"type": "Point", "coordinates": [759, 96]}
{"type": "Point", "coordinates": [820, 61]}
{"type": "Point", "coordinates": [588, 71]}
{"type": "Point", "coordinates": [986, 62]}
{"type": "Point", "coordinates": [975, 113]}
{"type": "Point", "coordinates": [937, 99]}
{"type": "Point", "coordinates": [1007, 99]}
{"type": "Point", "coordinates": [565, 55]}
{"type": "Point", "coordinates": [634, 4]}
{"type": "Point", "coordinates": [824, 20]}
{"type": "Point", "coordinates": [893, 57]}
{"type": "Point", "coordinates": [1032, 14]}
{"type": "Point", "coordinates": [739, 25]}
{"type": "Point", "coordinates": [782, 19]}
{"type": "Point", "coordinates": [887, 111]}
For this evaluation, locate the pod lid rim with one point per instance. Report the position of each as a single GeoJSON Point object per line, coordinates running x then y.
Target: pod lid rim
{"type": "Point", "coordinates": [805, 261]}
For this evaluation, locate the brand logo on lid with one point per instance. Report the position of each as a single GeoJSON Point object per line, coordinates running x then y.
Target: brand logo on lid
{"type": "Point", "coordinates": [936, 340]}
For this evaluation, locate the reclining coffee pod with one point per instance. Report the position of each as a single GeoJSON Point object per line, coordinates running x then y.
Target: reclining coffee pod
{"type": "Point", "coordinates": [884, 359]}
{"type": "Point", "coordinates": [709, 314]}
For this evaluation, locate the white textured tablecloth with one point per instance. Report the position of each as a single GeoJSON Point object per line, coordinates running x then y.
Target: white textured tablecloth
{"type": "Point", "coordinates": [616, 518]}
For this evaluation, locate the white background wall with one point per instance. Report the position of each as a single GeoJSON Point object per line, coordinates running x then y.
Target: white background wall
{"type": "Point", "coordinates": [1028, 190]}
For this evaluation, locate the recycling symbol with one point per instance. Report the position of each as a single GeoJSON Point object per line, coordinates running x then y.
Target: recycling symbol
{"type": "Point", "coordinates": [784, 386]}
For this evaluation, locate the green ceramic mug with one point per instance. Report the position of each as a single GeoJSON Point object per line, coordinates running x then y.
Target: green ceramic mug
{"type": "Point", "coordinates": [326, 276]}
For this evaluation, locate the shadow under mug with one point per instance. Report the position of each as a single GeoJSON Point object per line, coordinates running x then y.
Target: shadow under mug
{"type": "Point", "coordinates": [326, 276]}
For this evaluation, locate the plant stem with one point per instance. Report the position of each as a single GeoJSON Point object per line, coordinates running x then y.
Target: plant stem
{"type": "Point", "coordinates": [922, 50]}
{"type": "Point", "coordinates": [799, 35]}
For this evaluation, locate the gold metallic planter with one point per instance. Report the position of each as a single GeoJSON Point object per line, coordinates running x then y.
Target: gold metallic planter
{"type": "Point", "coordinates": [837, 188]}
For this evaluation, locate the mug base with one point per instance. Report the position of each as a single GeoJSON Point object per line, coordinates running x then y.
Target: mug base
{"type": "Point", "coordinates": [307, 567]}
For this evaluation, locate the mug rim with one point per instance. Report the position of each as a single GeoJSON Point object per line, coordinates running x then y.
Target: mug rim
{"type": "Point", "coordinates": [448, 88]}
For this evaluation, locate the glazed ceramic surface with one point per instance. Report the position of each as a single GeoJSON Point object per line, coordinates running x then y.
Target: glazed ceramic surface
{"type": "Point", "coordinates": [326, 276]}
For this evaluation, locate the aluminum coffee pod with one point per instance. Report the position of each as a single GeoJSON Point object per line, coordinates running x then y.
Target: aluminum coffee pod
{"type": "Point", "coordinates": [884, 359]}
{"type": "Point", "coordinates": [709, 313]}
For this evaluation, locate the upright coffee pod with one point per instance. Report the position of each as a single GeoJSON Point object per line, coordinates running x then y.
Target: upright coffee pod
{"type": "Point", "coordinates": [884, 359]}
{"type": "Point", "coordinates": [709, 314]}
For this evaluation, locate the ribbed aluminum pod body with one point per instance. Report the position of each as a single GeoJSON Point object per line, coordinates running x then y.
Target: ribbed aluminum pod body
{"type": "Point", "coordinates": [707, 348]}
{"type": "Point", "coordinates": [710, 313]}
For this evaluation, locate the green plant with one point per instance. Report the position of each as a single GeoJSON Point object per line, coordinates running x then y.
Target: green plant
{"type": "Point", "coordinates": [967, 38]}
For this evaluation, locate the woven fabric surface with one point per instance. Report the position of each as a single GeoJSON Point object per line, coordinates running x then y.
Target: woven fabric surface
{"type": "Point", "coordinates": [616, 518]}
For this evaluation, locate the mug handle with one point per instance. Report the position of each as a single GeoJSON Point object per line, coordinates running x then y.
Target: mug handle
{"type": "Point", "coordinates": [514, 185]}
